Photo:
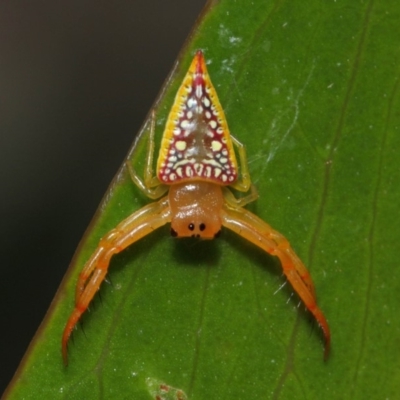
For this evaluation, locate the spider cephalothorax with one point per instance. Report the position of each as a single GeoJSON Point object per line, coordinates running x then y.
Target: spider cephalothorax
{"type": "Point", "coordinates": [193, 208]}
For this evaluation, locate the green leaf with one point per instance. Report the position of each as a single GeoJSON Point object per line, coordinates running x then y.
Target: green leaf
{"type": "Point", "coordinates": [313, 91]}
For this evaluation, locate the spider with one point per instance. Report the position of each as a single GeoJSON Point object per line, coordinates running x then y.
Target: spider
{"type": "Point", "coordinates": [195, 168]}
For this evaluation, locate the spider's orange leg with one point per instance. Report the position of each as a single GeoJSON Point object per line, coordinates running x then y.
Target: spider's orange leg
{"type": "Point", "coordinates": [136, 226]}
{"type": "Point", "coordinates": [255, 230]}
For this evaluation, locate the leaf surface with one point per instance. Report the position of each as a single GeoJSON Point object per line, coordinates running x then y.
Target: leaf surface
{"type": "Point", "coordinates": [313, 91]}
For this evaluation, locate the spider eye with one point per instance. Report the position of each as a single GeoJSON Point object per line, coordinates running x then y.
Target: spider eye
{"type": "Point", "coordinates": [191, 227]}
{"type": "Point", "coordinates": [174, 233]}
{"type": "Point", "coordinates": [202, 227]}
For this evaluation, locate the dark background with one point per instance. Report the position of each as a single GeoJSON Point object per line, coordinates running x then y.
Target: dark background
{"type": "Point", "coordinates": [77, 79]}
